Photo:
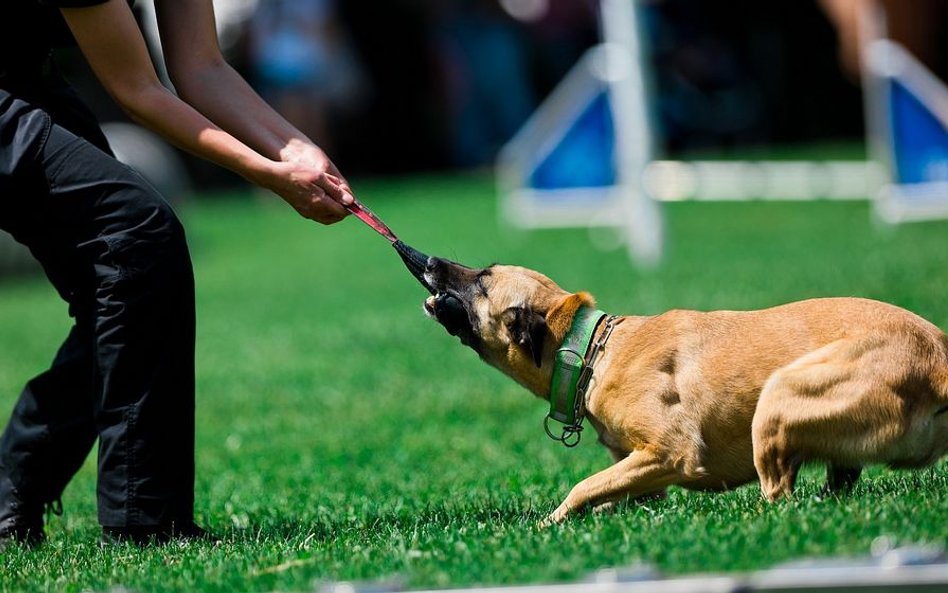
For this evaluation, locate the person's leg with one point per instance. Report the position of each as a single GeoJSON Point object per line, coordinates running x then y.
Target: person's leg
{"type": "Point", "coordinates": [97, 223]}
{"type": "Point", "coordinates": [48, 437]}
{"type": "Point", "coordinates": [138, 287]}
{"type": "Point", "coordinates": [52, 428]}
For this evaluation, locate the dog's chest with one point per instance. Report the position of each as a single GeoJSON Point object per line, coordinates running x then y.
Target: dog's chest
{"type": "Point", "coordinates": [608, 438]}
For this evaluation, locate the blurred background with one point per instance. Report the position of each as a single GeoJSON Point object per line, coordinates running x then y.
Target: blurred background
{"type": "Point", "coordinates": [419, 85]}
{"type": "Point", "coordinates": [408, 86]}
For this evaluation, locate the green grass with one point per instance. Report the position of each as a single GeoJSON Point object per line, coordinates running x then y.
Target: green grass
{"type": "Point", "coordinates": [341, 435]}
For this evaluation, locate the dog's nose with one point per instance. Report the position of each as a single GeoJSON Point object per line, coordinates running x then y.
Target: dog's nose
{"type": "Point", "coordinates": [436, 266]}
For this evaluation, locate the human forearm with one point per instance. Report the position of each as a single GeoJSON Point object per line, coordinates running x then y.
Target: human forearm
{"type": "Point", "coordinates": [217, 91]}
{"type": "Point", "coordinates": [224, 97]}
{"type": "Point", "coordinates": [111, 41]}
{"type": "Point", "coordinates": [159, 110]}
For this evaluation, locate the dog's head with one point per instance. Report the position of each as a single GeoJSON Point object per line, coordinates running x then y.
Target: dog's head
{"type": "Point", "coordinates": [513, 317]}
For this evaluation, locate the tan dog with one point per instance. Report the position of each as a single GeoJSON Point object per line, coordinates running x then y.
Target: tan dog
{"type": "Point", "coordinates": [710, 401]}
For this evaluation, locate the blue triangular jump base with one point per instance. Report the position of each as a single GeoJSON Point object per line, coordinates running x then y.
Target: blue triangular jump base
{"type": "Point", "coordinates": [912, 105]}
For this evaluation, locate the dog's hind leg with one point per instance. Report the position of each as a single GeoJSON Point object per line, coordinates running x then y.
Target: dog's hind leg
{"type": "Point", "coordinates": [829, 405]}
{"type": "Point", "coordinates": [839, 480]}
{"type": "Point", "coordinates": [776, 466]}
{"type": "Point", "coordinates": [781, 409]}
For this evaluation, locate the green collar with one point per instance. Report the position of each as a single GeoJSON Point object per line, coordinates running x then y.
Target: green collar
{"type": "Point", "coordinates": [572, 370]}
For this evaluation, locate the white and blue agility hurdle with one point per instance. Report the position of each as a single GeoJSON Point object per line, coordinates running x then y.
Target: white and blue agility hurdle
{"type": "Point", "coordinates": [910, 119]}
{"type": "Point", "coordinates": [587, 156]}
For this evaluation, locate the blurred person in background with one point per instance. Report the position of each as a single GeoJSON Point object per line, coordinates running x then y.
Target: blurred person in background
{"type": "Point", "coordinates": [486, 72]}
{"type": "Point", "coordinates": [302, 63]}
{"type": "Point", "coordinates": [744, 74]}
{"type": "Point", "coordinates": [560, 32]}
{"type": "Point", "coordinates": [919, 25]}
{"type": "Point", "coordinates": [114, 250]}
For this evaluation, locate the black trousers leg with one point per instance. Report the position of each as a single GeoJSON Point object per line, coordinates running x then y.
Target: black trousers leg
{"type": "Point", "coordinates": [117, 253]}
{"type": "Point", "coordinates": [52, 429]}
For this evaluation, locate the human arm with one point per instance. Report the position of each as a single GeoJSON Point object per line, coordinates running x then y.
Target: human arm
{"type": "Point", "coordinates": [110, 39]}
{"type": "Point", "coordinates": [205, 80]}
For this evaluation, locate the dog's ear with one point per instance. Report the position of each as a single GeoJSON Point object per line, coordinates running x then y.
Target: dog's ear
{"type": "Point", "coordinates": [560, 317]}
{"type": "Point", "coordinates": [528, 330]}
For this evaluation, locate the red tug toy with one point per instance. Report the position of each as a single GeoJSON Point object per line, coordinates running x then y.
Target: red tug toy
{"type": "Point", "coordinates": [415, 260]}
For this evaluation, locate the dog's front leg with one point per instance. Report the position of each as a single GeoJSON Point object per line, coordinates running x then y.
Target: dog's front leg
{"type": "Point", "coordinates": [641, 472]}
{"type": "Point", "coordinates": [609, 506]}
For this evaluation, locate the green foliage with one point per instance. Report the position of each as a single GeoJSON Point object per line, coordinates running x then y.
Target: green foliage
{"type": "Point", "coordinates": [341, 435]}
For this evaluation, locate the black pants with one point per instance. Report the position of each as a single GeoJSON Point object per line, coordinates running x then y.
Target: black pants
{"type": "Point", "coordinates": [116, 253]}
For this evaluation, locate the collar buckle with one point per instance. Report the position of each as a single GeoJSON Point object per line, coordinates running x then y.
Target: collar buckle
{"type": "Point", "coordinates": [569, 435]}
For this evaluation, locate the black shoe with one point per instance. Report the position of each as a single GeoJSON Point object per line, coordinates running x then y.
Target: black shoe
{"type": "Point", "coordinates": [21, 517]}
{"type": "Point", "coordinates": [30, 536]}
{"type": "Point", "coordinates": [21, 524]}
{"type": "Point", "coordinates": [157, 534]}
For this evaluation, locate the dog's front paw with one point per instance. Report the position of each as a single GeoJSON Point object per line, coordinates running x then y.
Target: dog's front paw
{"type": "Point", "coordinates": [555, 518]}
{"type": "Point", "coordinates": [550, 521]}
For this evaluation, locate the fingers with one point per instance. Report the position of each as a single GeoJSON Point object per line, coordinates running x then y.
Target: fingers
{"type": "Point", "coordinates": [336, 188]}
{"type": "Point", "coordinates": [329, 208]}
{"type": "Point", "coordinates": [321, 207]}
{"type": "Point", "coordinates": [321, 196]}
{"type": "Point", "coordinates": [328, 199]}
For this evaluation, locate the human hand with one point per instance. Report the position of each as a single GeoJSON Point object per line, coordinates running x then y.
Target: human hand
{"type": "Point", "coordinates": [314, 194]}
{"type": "Point", "coordinates": [307, 153]}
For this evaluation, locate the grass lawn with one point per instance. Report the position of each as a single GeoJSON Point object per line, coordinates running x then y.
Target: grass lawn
{"type": "Point", "coordinates": [343, 436]}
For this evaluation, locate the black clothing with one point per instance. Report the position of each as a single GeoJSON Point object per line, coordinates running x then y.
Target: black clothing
{"type": "Point", "coordinates": [116, 253]}
{"type": "Point", "coordinates": [21, 523]}
{"type": "Point", "coordinates": [29, 29]}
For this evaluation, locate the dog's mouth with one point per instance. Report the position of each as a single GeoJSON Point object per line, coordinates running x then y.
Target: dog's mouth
{"type": "Point", "coordinates": [445, 305]}
{"type": "Point", "coordinates": [449, 312]}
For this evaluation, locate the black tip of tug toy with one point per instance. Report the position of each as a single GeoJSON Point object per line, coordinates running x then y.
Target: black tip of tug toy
{"type": "Point", "coordinates": [415, 261]}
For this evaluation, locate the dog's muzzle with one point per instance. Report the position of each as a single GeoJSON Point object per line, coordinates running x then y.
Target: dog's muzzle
{"type": "Point", "coordinates": [447, 304]}
{"type": "Point", "coordinates": [416, 262]}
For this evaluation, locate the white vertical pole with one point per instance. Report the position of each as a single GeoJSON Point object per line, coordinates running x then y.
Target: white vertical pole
{"type": "Point", "coordinates": [625, 68]}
